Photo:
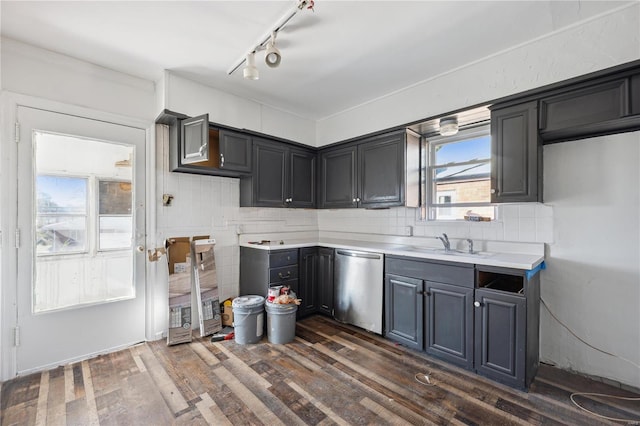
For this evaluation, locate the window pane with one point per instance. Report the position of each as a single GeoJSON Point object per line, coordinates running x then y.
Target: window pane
{"type": "Point", "coordinates": [476, 191]}
{"type": "Point", "coordinates": [115, 232]}
{"type": "Point", "coordinates": [458, 213]}
{"type": "Point", "coordinates": [462, 151]}
{"type": "Point", "coordinates": [57, 194]}
{"type": "Point", "coordinates": [115, 197]}
{"type": "Point", "coordinates": [465, 172]}
{"type": "Point", "coordinates": [61, 234]}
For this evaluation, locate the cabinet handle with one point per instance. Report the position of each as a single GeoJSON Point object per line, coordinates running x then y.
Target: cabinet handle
{"type": "Point", "coordinates": [202, 149]}
{"type": "Point", "coordinates": [221, 160]}
{"type": "Point", "coordinates": [355, 200]}
{"type": "Point", "coordinates": [358, 199]}
{"type": "Point", "coordinates": [282, 277]}
{"type": "Point", "coordinates": [493, 191]}
{"type": "Point", "coordinates": [477, 304]}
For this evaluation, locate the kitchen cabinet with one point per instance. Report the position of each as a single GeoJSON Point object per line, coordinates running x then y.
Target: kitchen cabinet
{"type": "Point", "coordinates": [325, 301]}
{"type": "Point", "coordinates": [308, 288]}
{"type": "Point", "coordinates": [316, 281]}
{"type": "Point", "coordinates": [261, 269]}
{"type": "Point", "coordinates": [428, 305]}
{"type": "Point", "coordinates": [283, 176]}
{"type": "Point", "coordinates": [589, 109]}
{"type": "Point", "coordinates": [507, 321]}
{"type": "Point", "coordinates": [448, 322]}
{"type": "Point", "coordinates": [485, 319]}
{"type": "Point", "coordinates": [404, 310]}
{"type": "Point", "coordinates": [516, 154]}
{"type": "Point", "coordinates": [197, 146]}
{"type": "Point", "coordinates": [376, 172]}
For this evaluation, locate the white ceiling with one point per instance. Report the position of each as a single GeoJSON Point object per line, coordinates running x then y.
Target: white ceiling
{"type": "Point", "coordinates": [343, 54]}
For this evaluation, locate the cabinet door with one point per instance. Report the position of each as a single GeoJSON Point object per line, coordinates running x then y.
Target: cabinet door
{"type": "Point", "coordinates": [269, 174]}
{"type": "Point", "coordinates": [308, 286]}
{"type": "Point", "coordinates": [500, 330]}
{"type": "Point", "coordinates": [381, 171]}
{"type": "Point", "coordinates": [449, 322]}
{"type": "Point", "coordinates": [516, 169]}
{"type": "Point", "coordinates": [302, 178]}
{"type": "Point", "coordinates": [404, 311]}
{"type": "Point", "coordinates": [194, 139]}
{"type": "Point", "coordinates": [325, 281]}
{"type": "Point", "coordinates": [338, 178]}
{"type": "Point", "coordinates": [235, 151]}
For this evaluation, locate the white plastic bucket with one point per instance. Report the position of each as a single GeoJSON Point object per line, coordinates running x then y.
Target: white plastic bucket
{"type": "Point", "coordinates": [248, 319]}
{"type": "Point", "coordinates": [281, 322]}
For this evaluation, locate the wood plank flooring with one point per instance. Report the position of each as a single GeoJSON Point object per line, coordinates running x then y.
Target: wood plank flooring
{"type": "Point", "coordinates": [331, 374]}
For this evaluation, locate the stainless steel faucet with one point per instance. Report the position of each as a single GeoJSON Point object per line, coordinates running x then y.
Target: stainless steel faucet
{"type": "Point", "coordinates": [445, 242]}
{"type": "Point", "coordinates": [470, 241]}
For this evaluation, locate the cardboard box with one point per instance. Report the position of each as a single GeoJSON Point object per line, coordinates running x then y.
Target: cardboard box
{"type": "Point", "coordinates": [206, 284]}
{"type": "Point", "coordinates": [227, 315]}
{"type": "Point", "coordinates": [179, 262]}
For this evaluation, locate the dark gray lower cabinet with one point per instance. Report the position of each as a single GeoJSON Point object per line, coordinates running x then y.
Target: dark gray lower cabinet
{"type": "Point", "coordinates": [316, 281]}
{"type": "Point", "coordinates": [326, 260]}
{"type": "Point", "coordinates": [261, 269]}
{"type": "Point", "coordinates": [404, 310]}
{"type": "Point", "coordinates": [500, 333]}
{"type": "Point", "coordinates": [483, 318]}
{"type": "Point", "coordinates": [449, 322]}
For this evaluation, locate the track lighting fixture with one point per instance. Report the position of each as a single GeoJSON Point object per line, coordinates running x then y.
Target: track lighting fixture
{"type": "Point", "coordinates": [250, 71]}
{"type": "Point", "coordinates": [272, 57]}
{"type": "Point", "coordinates": [267, 42]}
{"type": "Point", "coordinates": [448, 126]}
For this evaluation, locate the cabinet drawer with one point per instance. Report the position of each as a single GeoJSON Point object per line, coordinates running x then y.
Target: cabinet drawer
{"type": "Point", "coordinates": [282, 258]}
{"type": "Point", "coordinates": [285, 273]}
{"type": "Point", "coordinates": [449, 273]}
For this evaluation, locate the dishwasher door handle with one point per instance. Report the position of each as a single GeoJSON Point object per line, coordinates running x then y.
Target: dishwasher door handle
{"type": "Point", "coordinates": [364, 254]}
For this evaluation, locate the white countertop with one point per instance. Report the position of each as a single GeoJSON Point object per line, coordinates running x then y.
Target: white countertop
{"type": "Point", "coordinates": [516, 260]}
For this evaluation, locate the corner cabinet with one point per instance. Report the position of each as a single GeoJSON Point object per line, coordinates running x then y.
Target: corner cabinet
{"type": "Point", "coordinates": [283, 176]}
{"type": "Point", "coordinates": [376, 172]}
{"type": "Point", "coordinates": [516, 153]}
{"type": "Point", "coordinates": [199, 147]}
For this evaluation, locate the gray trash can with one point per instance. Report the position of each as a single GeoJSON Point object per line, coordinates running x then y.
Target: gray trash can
{"type": "Point", "coordinates": [248, 319]}
{"type": "Point", "coordinates": [281, 322]}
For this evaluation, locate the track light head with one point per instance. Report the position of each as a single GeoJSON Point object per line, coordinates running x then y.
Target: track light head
{"type": "Point", "coordinates": [250, 71]}
{"type": "Point", "coordinates": [448, 126]}
{"type": "Point", "coordinates": [272, 57]}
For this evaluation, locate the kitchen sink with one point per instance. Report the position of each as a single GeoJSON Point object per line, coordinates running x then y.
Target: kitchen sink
{"type": "Point", "coordinates": [453, 252]}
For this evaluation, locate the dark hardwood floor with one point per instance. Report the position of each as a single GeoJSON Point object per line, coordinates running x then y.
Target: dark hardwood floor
{"type": "Point", "coordinates": [330, 374]}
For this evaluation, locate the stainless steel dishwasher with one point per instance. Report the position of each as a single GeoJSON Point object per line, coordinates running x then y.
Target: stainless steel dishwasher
{"type": "Point", "coordinates": [359, 289]}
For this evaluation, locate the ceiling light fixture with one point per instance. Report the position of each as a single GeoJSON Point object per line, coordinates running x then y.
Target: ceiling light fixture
{"type": "Point", "coordinates": [250, 71]}
{"type": "Point", "coordinates": [272, 57]}
{"type": "Point", "coordinates": [448, 126]}
{"type": "Point", "coordinates": [267, 42]}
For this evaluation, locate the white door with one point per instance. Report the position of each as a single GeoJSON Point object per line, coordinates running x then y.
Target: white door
{"type": "Point", "coordinates": [81, 265]}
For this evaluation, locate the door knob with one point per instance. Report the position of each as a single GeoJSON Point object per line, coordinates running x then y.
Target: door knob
{"type": "Point", "coordinates": [140, 249]}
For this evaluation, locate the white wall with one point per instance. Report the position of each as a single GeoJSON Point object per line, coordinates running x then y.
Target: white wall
{"type": "Point", "coordinates": [599, 43]}
{"type": "Point", "coordinates": [592, 283]}
{"type": "Point", "coordinates": [191, 98]}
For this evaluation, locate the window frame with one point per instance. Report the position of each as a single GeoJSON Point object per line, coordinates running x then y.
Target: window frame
{"type": "Point", "coordinates": [430, 206]}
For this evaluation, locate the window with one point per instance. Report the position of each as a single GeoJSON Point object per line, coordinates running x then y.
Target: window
{"type": "Point", "coordinates": [457, 173]}
{"type": "Point", "coordinates": [115, 223]}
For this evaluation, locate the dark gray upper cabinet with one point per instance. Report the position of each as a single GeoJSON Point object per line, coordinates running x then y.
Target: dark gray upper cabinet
{"type": "Point", "coordinates": [235, 151]}
{"type": "Point", "coordinates": [376, 172]}
{"type": "Point", "coordinates": [338, 179]}
{"type": "Point", "coordinates": [196, 146]}
{"type": "Point", "coordinates": [194, 139]}
{"type": "Point", "coordinates": [449, 322]}
{"type": "Point", "coordinates": [516, 166]}
{"type": "Point", "coordinates": [590, 109]}
{"type": "Point", "coordinates": [302, 178]}
{"type": "Point", "coordinates": [283, 176]}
